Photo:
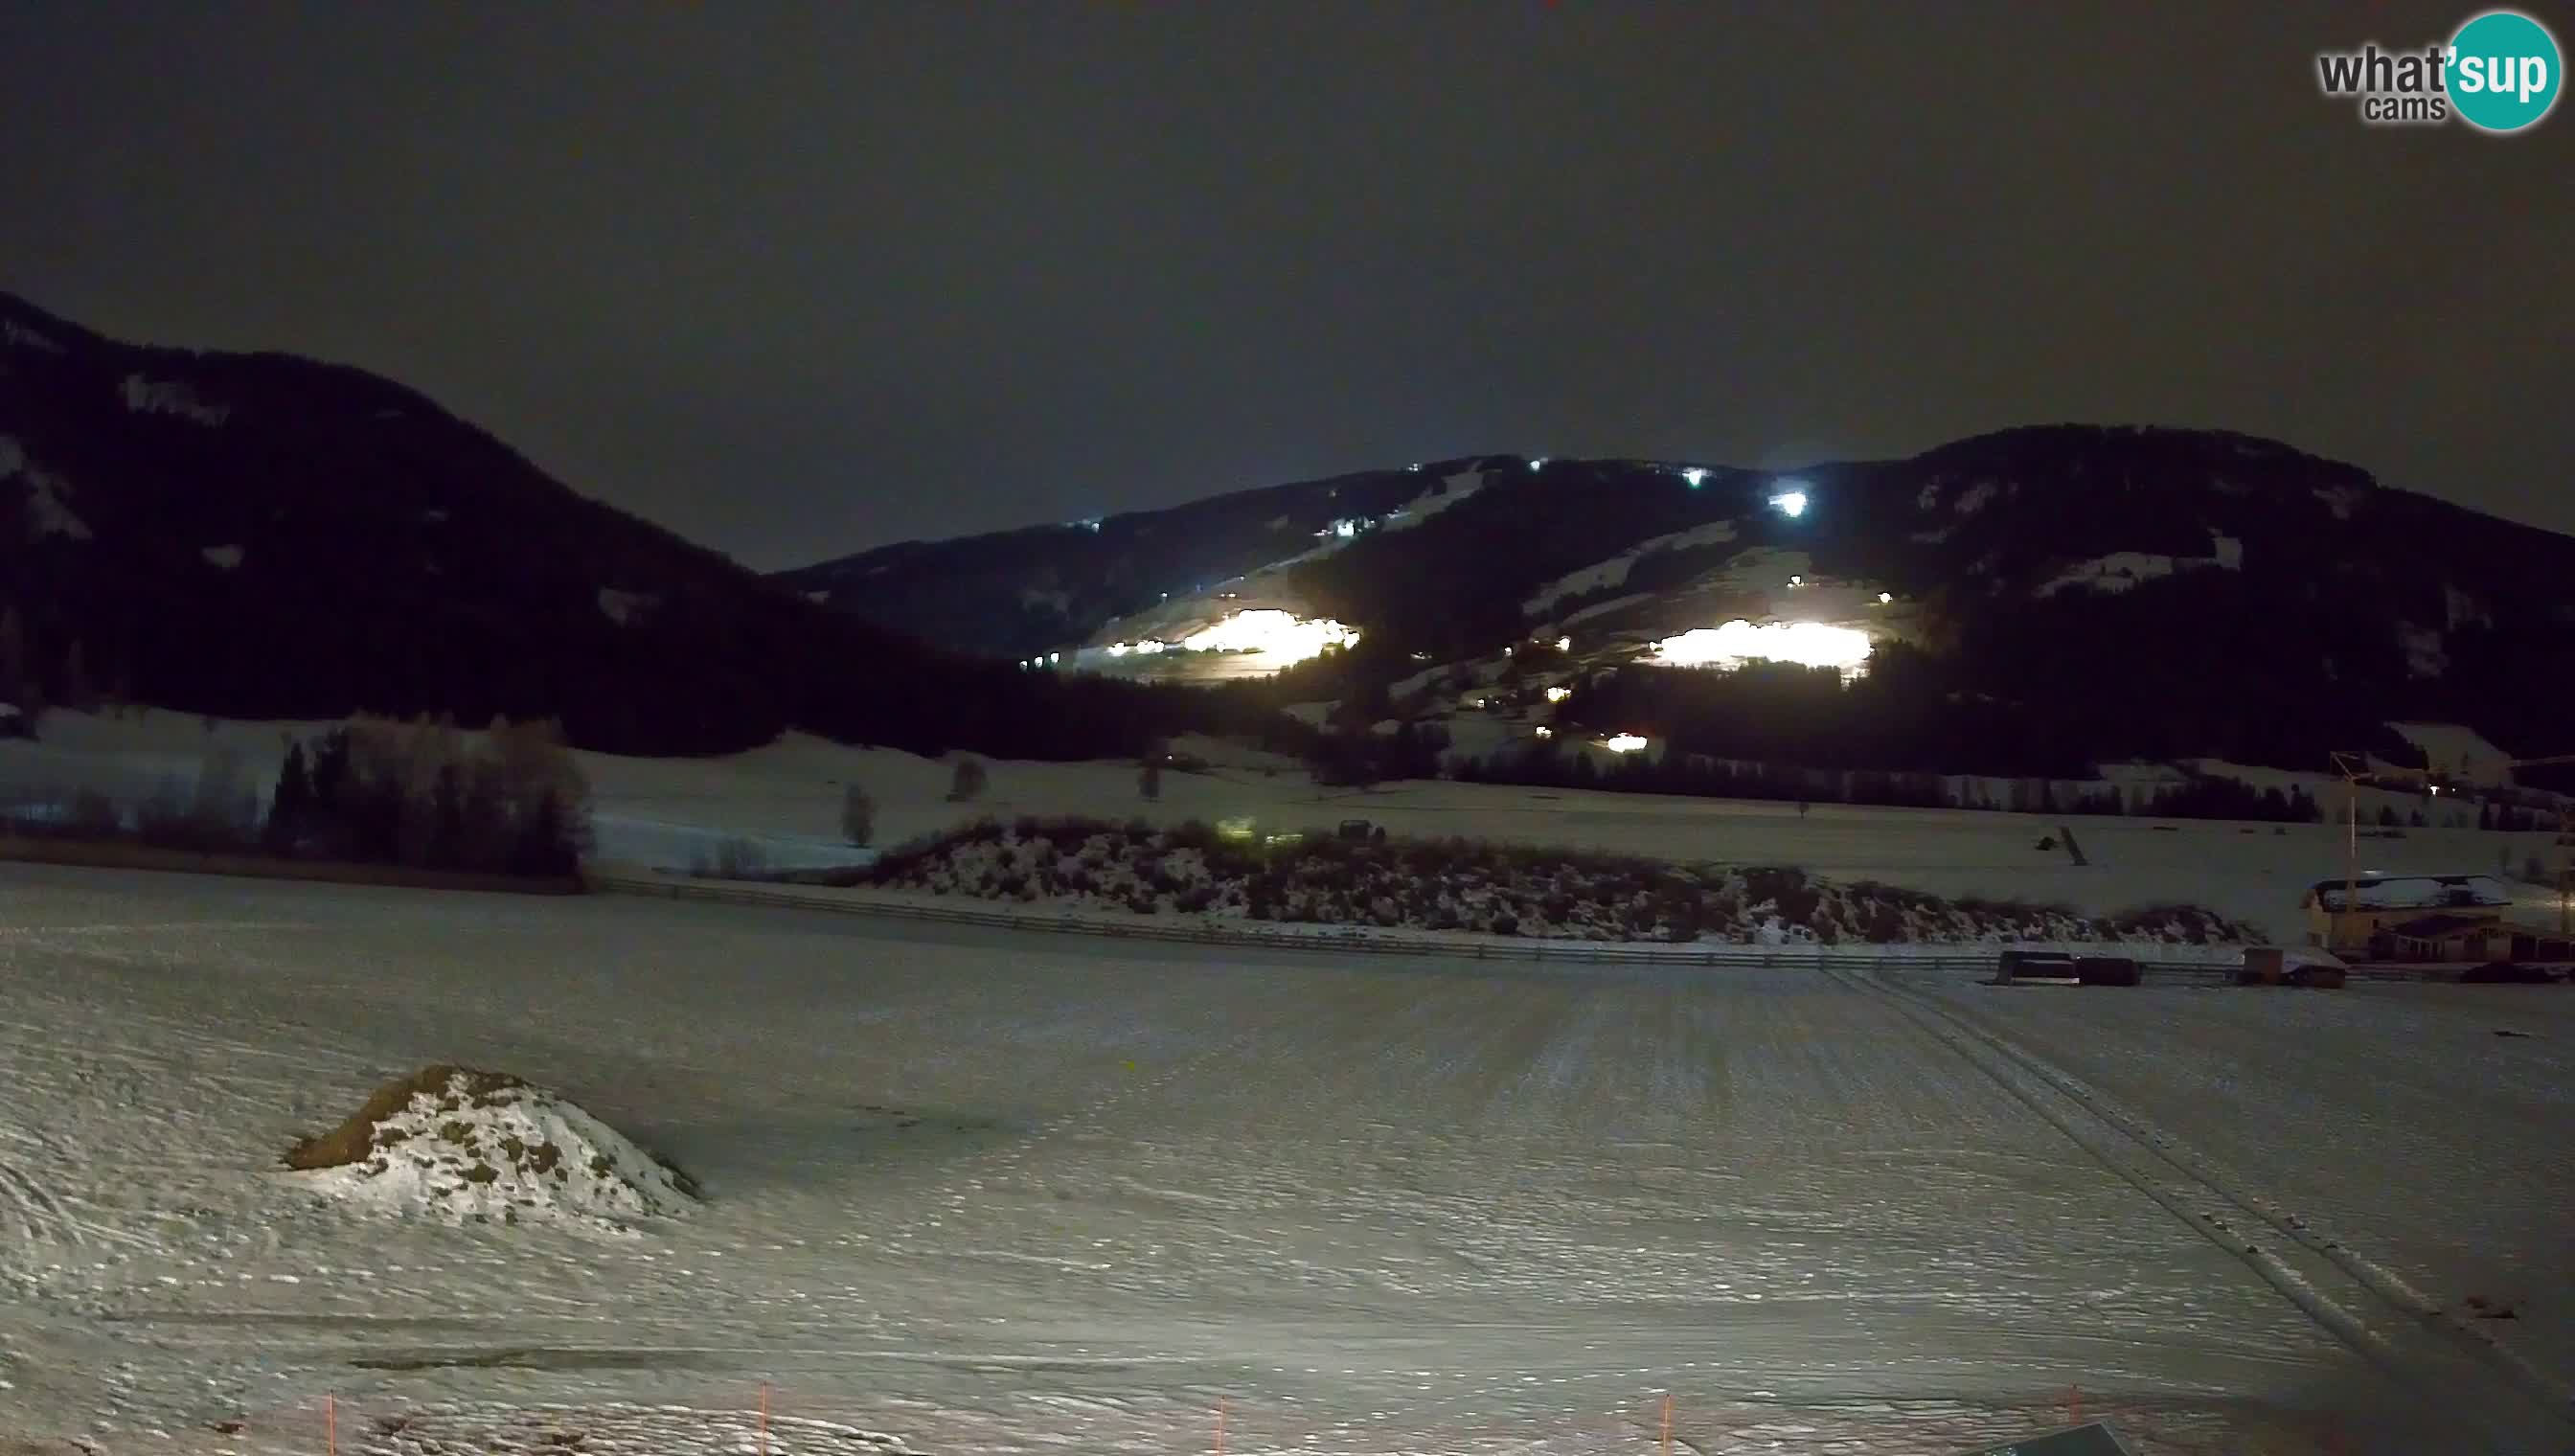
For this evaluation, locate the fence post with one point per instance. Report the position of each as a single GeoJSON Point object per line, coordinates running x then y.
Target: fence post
{"type": "Point", "coordinates": [1219, 1426]}
{"type": "Point", "coordinates": [331, 1423]}
{"type": "Point", "coordinates": [1668, 1423]}
{"type": "Point", "coordinates": [763, 1418]}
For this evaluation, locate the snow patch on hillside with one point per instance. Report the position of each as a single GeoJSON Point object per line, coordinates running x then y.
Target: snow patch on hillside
{"type": "Point", "coordinates": [1060, 602]}
{"type": "Point", "coordinates": [1978, 496]}
{"type": "Point", "coordinates": [470, 1153]}
{"type": "Point", "coordinates": [2340, 500]}
{"type": "Point", "coordinates": [1613, 571]}
{"type": "Point", "coordinates": [624, 607]}
{"type": "Point", "coordinates": [47, 512]}
{"type": "Point", "coordinates": [169, 397]}
{"type": "Point", "coordinates": [2458, 750]}
{"type": "Point", "coordinates": [2121, 571]}
{"type": "Point", "coordinates": [1604, 608]}
{"type": "Point", "coordinates": [222, 558]}
{"type": "Point", "coordinates": [2464, 609]}
{"type": "Point", "coordinates": [2424, 655]}
{"type": "Point", "coordinates": [1454, 488]}
{"type": "Point", "coordinates": [26, 338]}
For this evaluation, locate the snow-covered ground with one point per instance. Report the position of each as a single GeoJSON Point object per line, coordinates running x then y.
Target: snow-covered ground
{"type": "Point", "coordinates": [786, 796]}
{"type": "Point", "coordinates": [991, 1193]}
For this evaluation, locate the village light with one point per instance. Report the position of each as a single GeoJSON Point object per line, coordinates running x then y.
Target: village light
{"type": "Point", "coordinates": [1696, 476]}
{"type": "Point", "coordinates": [1791, 504]}
{"type": "Point", "coordinates": [1884, 597]}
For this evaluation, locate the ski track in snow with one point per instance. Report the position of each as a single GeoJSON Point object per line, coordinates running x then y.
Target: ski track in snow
{"type": "Point", "coordinates": [998, 1194]}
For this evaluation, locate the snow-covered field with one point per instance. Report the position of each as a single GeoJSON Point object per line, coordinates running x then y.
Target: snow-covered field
{"type": "Point", "coordinates": [984, 1193]}
{"type": "Point", "coordinates": [786, 798]}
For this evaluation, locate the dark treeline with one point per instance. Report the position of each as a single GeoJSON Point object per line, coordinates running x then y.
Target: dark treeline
{"type": "Point", "coordinates": [1911, 715]}
{"type": "Point", "coordinates": [2203, 797]}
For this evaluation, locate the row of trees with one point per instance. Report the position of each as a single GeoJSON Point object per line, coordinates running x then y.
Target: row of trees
{"type": "Point", "coordinates": [508, 801]}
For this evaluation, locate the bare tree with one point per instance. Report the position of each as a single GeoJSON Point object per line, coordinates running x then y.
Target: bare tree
{"type": "Point", "coordinates": [1148, 779]}
{"type": "Point", "coordinates": [969, 780]}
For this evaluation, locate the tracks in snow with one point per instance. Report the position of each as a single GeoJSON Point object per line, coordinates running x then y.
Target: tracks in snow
{"type": "Point", "coordinates": [2455, 1366]}
{"type": "Point", "coordinates": [30, 1212]}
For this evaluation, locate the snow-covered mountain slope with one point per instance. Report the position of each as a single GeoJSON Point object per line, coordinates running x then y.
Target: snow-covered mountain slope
{"type": "Point", "coordinates": [2192, 577]}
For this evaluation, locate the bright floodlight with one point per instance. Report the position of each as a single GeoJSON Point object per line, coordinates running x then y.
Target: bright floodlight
{"type": "Point", "coordinates": [1884, 597]}
{"type": "Point", "coordinates": [1624, 744]}
{"type": "Point", "coordinates": [1538, 464]}
{"type": "Point", "coordinates": [1809, 643]}
{"type": "Point", "coordinates": [1696, 476]}
{"type": "Point", "coordinates": [1280, 635]}
{"type": "Point", "coordinates": [1790, 503]}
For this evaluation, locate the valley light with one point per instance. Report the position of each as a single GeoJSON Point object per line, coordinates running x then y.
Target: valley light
{"type": "Point", "coordinates": [1790, 503]}
{"type": "Point", "coordinates": [1564, 645]}
{"type": "Point", "coordinates": [1537, 464]}
{"type": "Point", "coordinates": [1696, 476]}
{"type": "Point", "coordinates": [1053, 658]}
{"type": "Point", "coordinates": [1809, 643]}
{"type": "Point", "coordinates": [1545, 731]}
{"type": "Point", "coordinates": [1274, 634]}
{"type": "Point", "coordinates": [1884, 597]}
{"type": "Point", "coordinates": [1558, 695]}
{"type": "Point", "coordinates": [1624, 744]}
{"type": "Point", "coordinates": [1797, 580]}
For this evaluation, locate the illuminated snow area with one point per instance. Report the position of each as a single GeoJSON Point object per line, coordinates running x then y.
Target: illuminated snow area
{"type": "Point", "coordinates": [1283, 637]}
{"type": "Point", "coordinates": [1250, 643]}
{"type": "Point", "coordinates": [1809, 643]}
{"type": "Point", "coordinates": [996, 1193]}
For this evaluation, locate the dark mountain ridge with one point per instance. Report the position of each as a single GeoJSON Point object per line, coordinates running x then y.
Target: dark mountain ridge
{"type": "Point", "coordinates": [265, 536]}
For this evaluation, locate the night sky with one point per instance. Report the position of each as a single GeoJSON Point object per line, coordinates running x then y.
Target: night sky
{"type": "Point", "coordinates": [799, 281]}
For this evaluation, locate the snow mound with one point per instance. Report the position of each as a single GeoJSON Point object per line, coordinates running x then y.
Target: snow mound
{"type": "Point", "coordinates": [473, 1146]}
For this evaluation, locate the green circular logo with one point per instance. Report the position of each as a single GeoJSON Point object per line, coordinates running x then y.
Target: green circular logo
{"type": "Point", "coordinates": [2504, 71]}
